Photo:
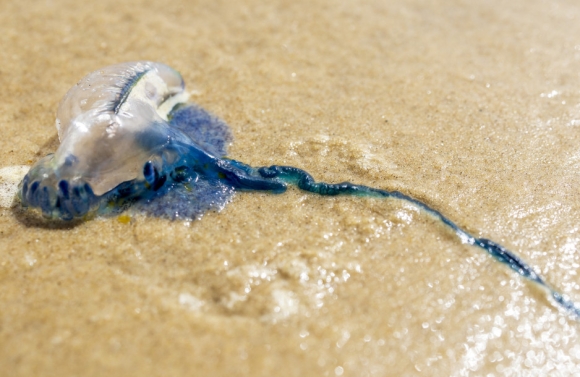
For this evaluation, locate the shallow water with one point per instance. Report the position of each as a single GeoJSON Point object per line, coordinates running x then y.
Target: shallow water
{"type": "Point", "coordinates": [472, 108]}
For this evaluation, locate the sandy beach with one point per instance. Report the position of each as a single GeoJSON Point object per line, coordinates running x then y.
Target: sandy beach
{"type": "Point", "coordinates": [470, 107]}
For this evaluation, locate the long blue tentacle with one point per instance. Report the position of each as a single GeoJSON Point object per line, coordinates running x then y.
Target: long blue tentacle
{"type": "Point", "coordinates": [304, 181]}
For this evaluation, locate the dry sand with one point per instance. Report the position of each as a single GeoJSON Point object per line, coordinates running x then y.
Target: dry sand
{"type": "Point", "coordinates": [472, 107]}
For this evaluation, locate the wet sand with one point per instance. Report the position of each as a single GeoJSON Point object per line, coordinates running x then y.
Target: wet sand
{"type": "Point", "coordinates": [473, 108]}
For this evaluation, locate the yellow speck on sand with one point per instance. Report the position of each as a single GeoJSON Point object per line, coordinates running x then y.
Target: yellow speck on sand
{"type": "Point", "coordinates": [124, 219]}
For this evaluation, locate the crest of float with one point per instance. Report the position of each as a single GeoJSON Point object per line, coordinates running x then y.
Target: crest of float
{"type": "Point", "coordinates": [128, 139]}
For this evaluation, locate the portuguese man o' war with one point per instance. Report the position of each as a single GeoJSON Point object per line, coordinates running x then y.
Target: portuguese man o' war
{"type": "Point", "coordinates": [129, 138]}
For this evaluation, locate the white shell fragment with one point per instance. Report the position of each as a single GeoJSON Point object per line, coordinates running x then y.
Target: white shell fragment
{"type": "Point", "coordinates": [10, 177]}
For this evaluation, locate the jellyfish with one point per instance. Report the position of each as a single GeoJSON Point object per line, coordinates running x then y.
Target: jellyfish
{"type": "Point", "coordinates": [129, 138]}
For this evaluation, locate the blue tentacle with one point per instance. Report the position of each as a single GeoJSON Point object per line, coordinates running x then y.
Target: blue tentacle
{"type": "Point", "coordinates": [306, 182]}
